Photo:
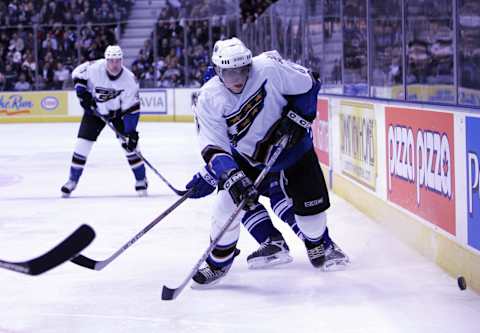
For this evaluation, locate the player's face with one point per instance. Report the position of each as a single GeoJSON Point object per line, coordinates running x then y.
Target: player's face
{"type": "Point", "coordinates": [235, 78]}
{"type": "Point", "coordinates": [114, 66]}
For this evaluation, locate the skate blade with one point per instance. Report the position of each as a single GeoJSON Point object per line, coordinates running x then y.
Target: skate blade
{"type": "Point", "coordinates": [142, 193]}
{"type": "Point", "coordinates": [335, 265]}
{"type": "Point", "coordinates": [198, 286]}
{"type": "Point", "coordinates": [261, 263]}
{"type": "Point", "coordinates": [66, 195]}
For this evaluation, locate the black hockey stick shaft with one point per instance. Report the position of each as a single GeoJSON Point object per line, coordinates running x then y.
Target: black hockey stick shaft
{"type": "Point", "coordinates": [172, 293]}
{"type": "Point", "coordinates": [98, 265]}
{"type": "Point", "coordinates": [64, 251]}
{"type": "Point", "coordinates": [139, 154]}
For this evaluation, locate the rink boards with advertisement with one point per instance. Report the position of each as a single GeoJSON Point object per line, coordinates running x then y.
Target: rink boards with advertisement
{"type": "Point", "coordinates": [413, 168]}
{"type": "Point", "coordinates": [62, 106]}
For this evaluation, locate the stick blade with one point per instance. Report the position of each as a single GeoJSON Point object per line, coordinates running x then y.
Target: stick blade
{"type": "Point", "coordinates": [181, 192]}
{"type": "Point", "coordinates": [169, 294]}
{"type": "Point", "coordinates": [86, 262]}
{"type": "Point", "coordinates": [64, 251]}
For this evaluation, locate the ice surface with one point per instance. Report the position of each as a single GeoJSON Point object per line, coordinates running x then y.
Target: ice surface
{"type": "Point", "coordinates": [387, 288]}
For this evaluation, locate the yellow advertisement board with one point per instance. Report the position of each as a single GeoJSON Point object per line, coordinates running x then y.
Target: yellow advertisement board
{"type": "Point", "coordinates": [38, 103]}
{"type": "Point", "coordinates": [358, 142]}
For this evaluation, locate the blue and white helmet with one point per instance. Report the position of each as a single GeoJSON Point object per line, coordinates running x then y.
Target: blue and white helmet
{"type": "Point", "coordinates": [113, 52]}
{"type": "Point", "coordinates": [231, 53]}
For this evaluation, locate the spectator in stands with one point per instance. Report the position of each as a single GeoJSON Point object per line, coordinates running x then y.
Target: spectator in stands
{"type": "Point", "coordinates": [50, 43]}
{"type": "Point", "coordinates": [81, 9]}
{"type": "Point", "coordinates": [160, 66]}
{"type": "Point", "coordinates": [16, 43]}
{"type": "Point", "coordinates": [60, 76]}
{"type": "Point", "coordinates": [140, 62]}
{"type": "Point", "coordinates": [17, 59]}
{"type": "Point", "coordinates": [10, 77]}
{"type": "Point", "coordinates": [68, 18]}
{"type": "Point", "coordinates": [419, 61]}
{"type": "Point", "coordinates": [47, 75]}
{"type": "Point", "coordinates": [104, 13]}
{"type": "Point", "coordinates": [137, 72]}
{"type": "Point", "coordinates": [148, 78]}
{"type": "Point", "coordinates": [12, 13]}
{"type": "Point", "coordinates": [163, 49]}
{"type": "Point", "coordinates": [26, 12]}
{"type": "Point", "coordinates": [29, 66]}
{"type": "Point", "coordinates": [22, 84]}
{"type": "Point", "coordinates": [147, 50]}
{"type": "Point", "coordinates": [172, 76]}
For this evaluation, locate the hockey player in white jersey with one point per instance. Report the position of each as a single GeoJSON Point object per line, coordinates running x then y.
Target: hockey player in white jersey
{"type": "Point", "coordinates": [273, 248]}
{"type": "Point", "coordinates": [241, 113]}
{"type": "Point", "coordinates": [106, 87]}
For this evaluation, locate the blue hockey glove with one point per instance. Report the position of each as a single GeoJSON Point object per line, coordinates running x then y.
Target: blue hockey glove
{"type": "Point", "coordinates": [240, 188]}
{"type": "Point", "coordinates": [131, 141]}
{"type": "Point", "coordinates": [203, 184]}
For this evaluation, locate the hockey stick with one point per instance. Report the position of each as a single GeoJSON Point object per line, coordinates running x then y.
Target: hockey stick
{"type": "Point", "coordinates": [98, 265]}
{"type": "Point", "coordinates": [67, 249]}
{"type": "Point", "coordinates": [172, 293]}
{"type": "Point", "coordinates": [139, 154]}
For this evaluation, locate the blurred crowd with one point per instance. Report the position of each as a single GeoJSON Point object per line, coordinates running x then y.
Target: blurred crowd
{"type": "Point", "coordinates": [183, 44]}
{"type": "Point", "coordinates": [252, 9]}
{"type": "Point", "coordinates": [176, 54]}
{"type": "Point", "coordinates": [68, 32]}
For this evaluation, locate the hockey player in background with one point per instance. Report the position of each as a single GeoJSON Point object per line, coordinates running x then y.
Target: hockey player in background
{"type": "Point", "coordinates": [106, 87]}
{"type": "Point", "coordinates": [241, 113]}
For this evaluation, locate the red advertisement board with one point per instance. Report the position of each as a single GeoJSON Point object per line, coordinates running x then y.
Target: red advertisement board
{"type": "Point", "coordinates": [320, 132]}
{"type": "Point", "coordinates": [421, 165]}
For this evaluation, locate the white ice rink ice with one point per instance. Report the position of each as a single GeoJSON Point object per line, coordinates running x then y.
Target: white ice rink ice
{"type": "Point", "coordinates": [387, 288]}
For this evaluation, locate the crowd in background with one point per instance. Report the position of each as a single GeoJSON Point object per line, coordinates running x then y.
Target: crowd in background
{"type": "Point", "coordinates": [169, 67]}
{"type": "Point", "coordinates": [46, 39]}
{"type": "Point", "coordinates": [183, 39]}
{"type": "Point", "coordinates": [67, 32]}
{"type": "Point", "coordinates": [250, 10]}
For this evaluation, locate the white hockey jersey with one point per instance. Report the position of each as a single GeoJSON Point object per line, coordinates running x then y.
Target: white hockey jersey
{"type": "Point", "coordinates": [119, 94]}
{"type": "Point", "coordinates": [245, 120]}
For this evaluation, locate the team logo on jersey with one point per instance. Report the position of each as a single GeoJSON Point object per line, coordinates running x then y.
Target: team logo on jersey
{"type": "Point", "coordinates": [240, 122]}
{"type": "Point", "coordinates": [105, 94]}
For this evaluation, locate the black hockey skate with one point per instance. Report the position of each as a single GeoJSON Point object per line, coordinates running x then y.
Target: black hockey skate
{"type": "Point", "coordinates": [315, 252]}
{"type": "Point", "coordinates": [274, 251]}
{"type": "Point", "coordinates": [210, 275]}
{"type": "Point", "coordinates": [325, 254]}
{"type": "Point", "coordinates": [141, 187]}
{"type": "Point", "coordinates": [335, 258]}
{"type": "Point", "coordinates": [68, 188]}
